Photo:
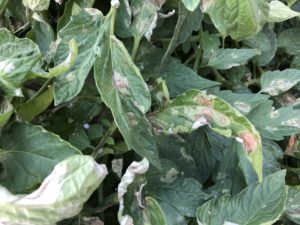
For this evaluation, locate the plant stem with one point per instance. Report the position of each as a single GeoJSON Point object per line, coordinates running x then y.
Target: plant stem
{"type": "Point", "coordinates": [220, 78]}
{"type": "Point", "coordinates": [136, 44]}
{"type": "Point", "coordinates": [199, 51]}
{"type": "Point", "coordinates": [103, 140]}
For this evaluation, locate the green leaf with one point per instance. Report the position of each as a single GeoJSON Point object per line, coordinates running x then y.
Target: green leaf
{"type": "Point", "coordinates": [223, 59]}
{"type": "Point", "coordinates": [187, 23]}
{"type": "Point", "coordinates": [211, 43]}
{"type": "Point", "coordinates": [85, 29]}
{"type": "Point", "coordinates": [36, 5]}
{"type": "Point", "coordinates": [153, 214]}
{"type": "Point", "coordinates": [194, 109]}
{"type": "Point", "coordinates": [17, 58]}
{"type": "Point", "coordinates": [124, 91]}
{"type": "Point", "coordinates": [169, 187]}
{"type": "Point", "coordinates": [179, 78]}
{"type": "Point", "coordinates": [266, 42]}
{"type": "Point", "coordinates": [292, 204]}
{"type": "Point", "coordinates": [238, 18]}
{"type": "Point", "coordinates": [70, 185]}
{"type": "Point", "coordinates": [275, 124]}
{"type": "Point", "coordinates": [279, 12]}
{"type": "Point", "coordinates": [36, 106]}
{"type": "Point", "coordinates": [260, 203]}
{"type": "Point", "coordinates": [272, 156]}
{"type": "Point", "coordinates": [191, 4]}
{"type": "Point", "coordinates": [277, 82]}
{"type": "Point", "coordinates": [80, 139]}
{"type": "Point", "coordinates": [6, 111]}
{"type": "Point", "coordinates": [43, 35]}
{"type": "Point", "coordinates": [289, 41]}
{"type": "Point", "coordinates": [3, 4]}
{"type": "Point", "coordinates": [29, 160]}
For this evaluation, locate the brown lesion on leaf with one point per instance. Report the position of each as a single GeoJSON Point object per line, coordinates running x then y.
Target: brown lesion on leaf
{"type": "Point", "coordinates": [204, 100]}
{"type": "Point", "coordinates": [249, 141]}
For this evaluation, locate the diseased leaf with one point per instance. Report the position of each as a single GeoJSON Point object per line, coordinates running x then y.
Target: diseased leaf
{"type": "Point", "coordinates": [277, 82]}
{"type": "Point", "coordinates": [124, 91]}
{"type": "Point", "coordinates": [17, 58]}
{"type": "Point", "coordinates": [275, 124]}
{"type": "Point", "coordinates": [6, 110]}
{"type": "Point", "coordinates": [223, 59]}
{"type": "Point", "coordinates": [194, 109]}
{"type": "Point", "coordinates": [238, 18]}
{"type": "Point", "coordinates": [279, 12]}
{"type": "Point", "coordinates": [87, 29]}
{"type": "Point", "coordinates": [60, 196]}
{"type": "Point", "coordinates": [36, 5]}
{"type": "Point", "coordinates": [29, 160]}
{"type": "Point", "coordinates": [260, 203]}
{"type": "Point", "coordinates": [272, 155]}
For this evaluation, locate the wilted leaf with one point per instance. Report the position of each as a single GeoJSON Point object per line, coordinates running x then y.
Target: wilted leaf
{"type": "Point", "coordinates": [60, 196]}
{"type": "Point", "coordinates": [35, 106]}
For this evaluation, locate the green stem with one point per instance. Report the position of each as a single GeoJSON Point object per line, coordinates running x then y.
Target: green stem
{"type": "Point", "coordinates": [189, 59]}
{"type": "Point", "coordinates": [96, 153]}
{"type": "Point", "coordinates": [223, 41]}
{"type": "Point", "coordinates": [220, 78]}
{"type": "Point", "coordinates": [199, 51]}
{"type": "Point", "coordinates": [136, 44]}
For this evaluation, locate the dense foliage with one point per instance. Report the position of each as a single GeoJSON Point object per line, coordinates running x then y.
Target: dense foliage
{"type": "Point", "coordinates": [150, 112]}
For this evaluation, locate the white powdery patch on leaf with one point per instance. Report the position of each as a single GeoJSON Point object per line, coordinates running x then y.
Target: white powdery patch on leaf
{"type": "Point", "coordinates": [135, 168]}
{"type": "Point", "coordinates": [6, 67]}
{"type": "Point", "coordinates": [120, 82]}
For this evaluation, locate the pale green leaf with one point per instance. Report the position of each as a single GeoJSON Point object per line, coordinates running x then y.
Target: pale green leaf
{"type": "Point", "coordinates": [238, 18]}
{"type": "Point", "coordinates": [277, 82]}
{"type": "Point", "coordinates": [153, 213]}
{"type": "Point", "coordinates": [259, 203]}
{"type": "Point", "coordinates": [191, 4]}
{"type": "Point", "coordinates": [36, 5]}
{"type": "Point", "coordinates": [279, 12]}
{"type": "Point", "coordinates": [60, 196]}
{"type": "Point", "coordinates": [36, 106]}
{"type": "Point", "coordinates": [27, 161]}
{"type": "Point", "coordinates": [194, 109]}
{"type": "Point", "coordinates": [3, 4]}
{"type": "Point", "coordinates": [17, 58]}
{"type": "Point", "coordinates": [85, 29]}
{"type": "Point", "coordinates": [223, 59]}
{"type": "Point", "coordinates": [124, 91]}
{"type": "Point", "coordinates": [6, 110]}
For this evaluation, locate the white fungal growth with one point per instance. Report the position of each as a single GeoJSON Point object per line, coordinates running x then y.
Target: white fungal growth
{"type": "Point", "coordinates": [170, 176]}
{"type": "Point", "coordinates": [242, 106]}
{"type": "Point", "coordinates": [6, 67]}
{"type": "Point", "coordinates": [199, 123]}
{"type": "Point", "coordinates": [18, 92]}
{"type": "Point", "coordinates": [115, 3]}
{"type": "Point", "coordinates": [120, 82]}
